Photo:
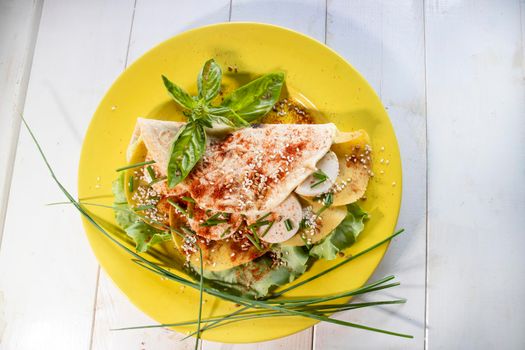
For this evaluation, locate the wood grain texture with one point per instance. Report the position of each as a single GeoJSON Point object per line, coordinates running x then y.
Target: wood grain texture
{"type": "Point", "coordinates": [19, 22]}
{"type": "Point", "coordinates": [153, 22]}
{"type": "Point", "coordinates": [307, 16]}
{"type": "Point", "coordinates": [149, 28]}
{"type": "Point", "coordinates": [384, 41]}
{"type": "Point", "coordinates": [476, 154]}
{"type": "Point", "coordinates": [114, 310]}
{"type": "Point", "coordinates": [47, 271]}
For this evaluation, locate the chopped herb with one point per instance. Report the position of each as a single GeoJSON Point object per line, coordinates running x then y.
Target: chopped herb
{"type": "Point", "coordinates": [130, 184]}
{"type": "Point", "coordinates": [304, 224]}
{"type": "Point", "coordinates": [190, 210]}
{"type": "Point", "coordinates": [144, 207]}
{"type": "Point", "coordinates": [188, 199]}
{"type": "Point", "coordinates": [209, 222]}
{"type": "Point", "coordinates": [308, 246]}
{"type": "Point", "coordinates": [320, 176]}
{"type": "Point", "coordinates": [178, 207]}
{"type": "Point", "coordinates": [159, 179]}
{"type": "Point", "coordinates": [227, 231]}
{"type": "Point", "coordinates": [254, 242]}
{"type": "Point", "coordinates": [188, 230]}
{"type": "Point", "coordinates": [263, 217]}
{"type": "Point", "coordinates": [255, 235]}
{"type": "Point", "coordinates": [151, 172]}
{"type": "Point", "coordinates": [267, 229]}
{"type": "Point", "coordinates": [260, 223]}
{"type": "Point", "coordinates": [288, 224]}
{"type": "Point", "coordinates": [216, 219]}
{"type": "Point", "coordinates": [136, 165]}
{"type": "Point", "coordinates": [327, 199]}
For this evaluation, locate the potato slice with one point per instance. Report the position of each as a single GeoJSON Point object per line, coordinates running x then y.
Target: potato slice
{"type": "Point", "coordinates": [329, 220]}
{"type": "Point", "coordinates": [355, 164]}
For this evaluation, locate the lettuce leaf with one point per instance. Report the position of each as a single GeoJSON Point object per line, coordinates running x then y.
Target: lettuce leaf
{"type": "Point", "coordinates": [142, 234]}
{"type": "Point", "coordinates": [343, 236]}
{"type": "Point", "coordinates": [258, 277]}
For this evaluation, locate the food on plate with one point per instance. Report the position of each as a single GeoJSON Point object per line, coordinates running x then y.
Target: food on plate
{"type": "Point", "coordinates": [258, 202]}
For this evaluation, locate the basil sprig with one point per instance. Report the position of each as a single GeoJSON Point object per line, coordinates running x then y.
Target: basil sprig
{"type": "Point", "coordinates": [240, 108]}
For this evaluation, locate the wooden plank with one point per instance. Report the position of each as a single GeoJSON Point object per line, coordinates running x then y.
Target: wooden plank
{"type": "Point", "coordinates": [156, 21]}
{"type": "Point", "coordinates": [19, 21]}
{"type": "Point", "coordinates": [298, 341]}
{"type": "Point", "coordinates": [153, 23]}
{"type": "Point", "coordinates": [114, 310]}
{"type": "Point", "coordinates": [476, 174]}
{"type": "Point", "coordinates": [307, 16]}
{"type": "Point", "coordinates": [47, 271]}
{"type": "Point", "coordinates": [384, 41]}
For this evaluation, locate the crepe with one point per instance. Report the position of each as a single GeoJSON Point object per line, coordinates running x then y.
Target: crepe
{"type": "Point", "coordinates": [251, 170]}
{"type": "Point", "coordinates": [246, 173]}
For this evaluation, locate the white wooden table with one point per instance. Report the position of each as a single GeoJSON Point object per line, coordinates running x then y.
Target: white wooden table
{"type": "Point", "coordinates": [451, 74]}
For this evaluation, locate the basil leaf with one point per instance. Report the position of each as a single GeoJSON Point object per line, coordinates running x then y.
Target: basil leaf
{"type": "Point", "coordinates": [209, 80]}
{"type": "Point", "coordinates": [256, 98]}
{"type": "Point", "coordinates": [225, 115]}
{"type": "Point", "coordinates": [178, 94]}
{"type": "Point", "coordinates": [187, 148]}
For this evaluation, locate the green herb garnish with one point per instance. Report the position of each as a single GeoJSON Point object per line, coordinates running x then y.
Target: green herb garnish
{"type": "Point", "coordinates": [254, 242]}
{"type": "Point", "coordinates": [301, 307]}
{"type": "Point", "coordinates": [159, 179]}
{"type": "Point", "coordinates": [188, 199]}
{"type": "Point", "coordinates": [188, 230]}
{"type": "Point", "coordinates": [144, 207]}
{"type": "Point", "coordinates": [288, 224]}
{"type": "Point", "coordinates": [151, 172]}
{"type": "Point", "coordinates": [136, 165]}
{"type": "Point", "coordinates": [267, 228]}
{"type": "Point", "coordinates": [244, 105]}
{"type": "Point", "coordinates": [263, 217]}
{"type": "Point", "coordinates": [130, 184]}
{"type": "Point", "coordinates": [178, 207]}
{"type": "Point", "coordinates": [327, 200]}
{"type": "Point", "coordinates": [227, 231]}
{"type": "Point", "coordinates": [305, 241]}
{"type": "Point", "coordinates": [216, 219]}
{"type": "Point", "coordinates": [320, 176]}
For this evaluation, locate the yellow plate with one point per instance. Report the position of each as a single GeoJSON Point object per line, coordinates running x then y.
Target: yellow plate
{"type": "Point", "coordinates": [321, 75]}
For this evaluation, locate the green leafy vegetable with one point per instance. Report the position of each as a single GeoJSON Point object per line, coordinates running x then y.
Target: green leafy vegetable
{"type": "Point", "coordinates": [186, 150]}
{"type": "Point", "coordinates": [256, 278]}
{"type": "Point", "coordinates": [209, 80]}
{"type": "Point", "coordinates": [145, 235]}
{"type": "Point", "coordinates": [242, 106]}
{"type": "Point", "coordinates": [343, 236]}
{"type": "Point", "coordinates": [256, 98]}
{"type": "Point", "coordinates": [142, 234]}
{"type": "Point", "coordinates": [178, 94]}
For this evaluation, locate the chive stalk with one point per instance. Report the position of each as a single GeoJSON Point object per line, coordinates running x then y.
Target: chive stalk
{"type": "Point", "coordinates": [136, 165]}
{"type": "Point", "coordinates": [130, 184]}
{"type": "Point", "coordinates": [288, 224]}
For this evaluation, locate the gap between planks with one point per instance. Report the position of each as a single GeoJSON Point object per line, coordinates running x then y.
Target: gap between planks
{"type": "Point", "coordinates": [18, 108]}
